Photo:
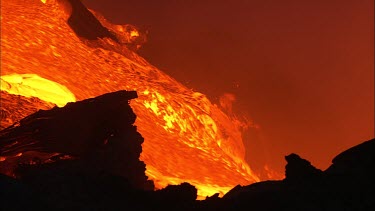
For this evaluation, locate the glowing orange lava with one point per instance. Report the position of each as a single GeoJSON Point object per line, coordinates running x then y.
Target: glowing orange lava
{"type": "Point", "coordinates": [187, 138]}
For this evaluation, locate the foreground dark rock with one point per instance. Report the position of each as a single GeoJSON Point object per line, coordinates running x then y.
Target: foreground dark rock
{"type": "Point", "coordinates": [299, 170]}
{"type": "Point", "coordinates": [85, 156]}
{"type": "Point", "coordinates": [97, 135]}
{"type": "Point", "coordinates": [348, 184]}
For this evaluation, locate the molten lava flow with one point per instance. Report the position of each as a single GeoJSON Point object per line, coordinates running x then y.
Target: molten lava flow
{"type": "Point", "coordinates": [187, 139]}
{"type": "Point", "coordinates": [31, 85]}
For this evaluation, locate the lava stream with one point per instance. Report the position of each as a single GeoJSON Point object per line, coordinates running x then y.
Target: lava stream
{"type": "Point", "coordinates": [187, 138]}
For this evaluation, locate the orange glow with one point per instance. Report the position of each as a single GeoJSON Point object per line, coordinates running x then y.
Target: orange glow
{"type": "Point", "coordinates": [187, 138]}
{"type": "Point", "coordinates": [273, 175]}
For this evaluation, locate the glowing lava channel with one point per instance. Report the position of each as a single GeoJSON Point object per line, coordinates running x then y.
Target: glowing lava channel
{"type": "Point", "coordinates": [187, 138]}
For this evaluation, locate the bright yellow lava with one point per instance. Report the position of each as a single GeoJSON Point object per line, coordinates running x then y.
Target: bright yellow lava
{"type": "Point", "coordinates": [32, 85]}
{"type": "Point", "coordinates": [134, 33]}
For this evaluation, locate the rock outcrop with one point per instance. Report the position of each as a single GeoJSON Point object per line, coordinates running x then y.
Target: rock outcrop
{"type": "Point", "coordinates": [300, 170]}
{"type": "Point", "coordinates": [347, 184]}
{"type": "Point", "coordinates": [91, 25]}
{"type": "Point", "coordinates": [85, 24]}
{"type": "Point", "coordinates": [92, 136]}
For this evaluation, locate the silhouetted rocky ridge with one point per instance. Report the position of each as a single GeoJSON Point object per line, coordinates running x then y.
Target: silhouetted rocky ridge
{"type": "Point", "coordinates": [85, 156]}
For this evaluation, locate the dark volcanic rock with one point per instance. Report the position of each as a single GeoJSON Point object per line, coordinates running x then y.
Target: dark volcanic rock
{"type": "Point", "coordinates": [347, 185]}
{"type": "Point", "coordinates": [98, 133]}
{"type": "Point", "coordinates": [179, 193]}
{"type": "Point", "coordinates": [76, 129]}
{"type": "Point", "coordinates": [351, 176]}
{"type": "Point", "coordinates": [15, 195]}
{"type": "Point", "coordinates": [85, 24]}
{"type": "Point", "coordinates": [356, 161]}
{"type": "Point", "coordinates": [176, 197]}
{"type": "Point", "coordinates": [299, 170]}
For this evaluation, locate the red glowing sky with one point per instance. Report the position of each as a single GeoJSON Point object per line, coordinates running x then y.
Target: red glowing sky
{"type": "Point", "coordinates": [302, 70]}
